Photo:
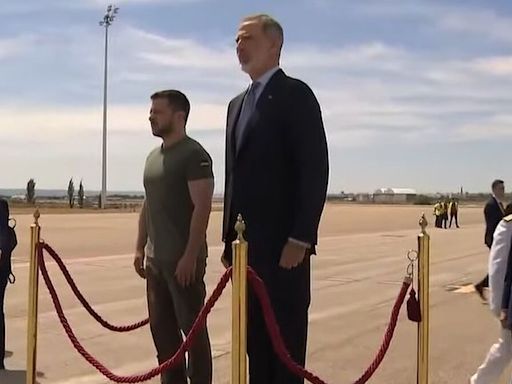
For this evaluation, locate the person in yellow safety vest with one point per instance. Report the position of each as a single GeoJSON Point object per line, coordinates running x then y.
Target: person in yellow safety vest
{"type": "Point", "coordinates": [437, 214]}
{"type": "Point", "coordinates": [453, 209]}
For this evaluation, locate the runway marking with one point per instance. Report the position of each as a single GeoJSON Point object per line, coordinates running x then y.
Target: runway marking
{"type": "Point", "coordinates": [80, 260]}
{"type": "Point", "coordinates": [390, 282]}
{"type": "Point", "coordinates": [341, 280]}
{"type": "Point", "coordinates": [467, 288]}
{"type": "Point", "coordinates": [134, 368]}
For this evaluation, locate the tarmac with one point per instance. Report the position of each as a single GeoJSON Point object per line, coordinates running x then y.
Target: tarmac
{"type": "Point", "coordinates": [356, 276]}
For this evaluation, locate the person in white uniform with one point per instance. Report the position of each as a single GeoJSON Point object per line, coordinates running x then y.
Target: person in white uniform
{"type": "Point", "coordinates": [500, 354]}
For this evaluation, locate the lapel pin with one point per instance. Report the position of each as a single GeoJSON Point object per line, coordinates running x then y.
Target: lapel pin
{"type": "Point", "coordinates": [270, 96]}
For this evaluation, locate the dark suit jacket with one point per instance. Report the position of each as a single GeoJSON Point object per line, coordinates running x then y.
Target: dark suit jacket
{"type": "Point", "coordinates": [278, 178]}
{"type": "Point", "coordinates": [493, 215]}
{"type": "Point", "coordinates": [8, 243]}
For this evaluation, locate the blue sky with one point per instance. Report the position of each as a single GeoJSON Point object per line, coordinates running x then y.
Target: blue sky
{"type": "Point", "coordinates": [414, 93]}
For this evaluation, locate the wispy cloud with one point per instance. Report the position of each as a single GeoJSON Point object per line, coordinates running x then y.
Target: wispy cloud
{"type": "Point", "coordinates": [183, 54]}
{"type": "Point", "coordinates": [15, 46]}
{"type": "Point", "coordinates": [498, 66]}
{"type": "Point", "coordinates": [16, 9]}
{"type": "Point", "coordinates": [376, 55]}
{"type": "Point", "coordinates": [51, 122]}
{"type": "Point", "coordinates": [373, 87]}
{"type": "Point", "coordinates": [497, 125]}
{"type": "Point", "coordinates": [393, 78]}
{"type": "Point", "coordinates": [102, 4]}
{"type": "Point", "coordinates": [480, 21]}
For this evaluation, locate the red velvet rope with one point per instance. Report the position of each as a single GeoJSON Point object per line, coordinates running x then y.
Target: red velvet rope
{"type": "Point", "coordinates": [81, 298]}
{"type": "Point", "coordinates": [270, 320]}
{"type": "Point", "coordinates": [172, 362]}
{"type": "Point", "coordinates": [280, 348]}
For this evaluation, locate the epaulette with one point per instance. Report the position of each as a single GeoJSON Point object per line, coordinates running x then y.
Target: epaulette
{"type": "Point", "coordinates": [508, 218]}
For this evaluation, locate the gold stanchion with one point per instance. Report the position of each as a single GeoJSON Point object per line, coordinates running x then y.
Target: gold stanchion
{"type": "Point", "coordinates": [423, 293]}
{"type": "Point", "coordinates": [35, 238]}
{"type": "Point", "coordinates": [239, 311]}
{"type": "Point", "coordinates": [235, 316]}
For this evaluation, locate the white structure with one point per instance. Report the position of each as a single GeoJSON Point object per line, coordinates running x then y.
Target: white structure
{"type": "Point", "coordinates": [394, 195]}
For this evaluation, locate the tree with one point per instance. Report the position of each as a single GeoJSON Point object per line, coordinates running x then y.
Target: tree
{"type": "Point", "coordinates": [81, 195]}
{"type": "Point", "coordinates": [71, 193]}
{"type": "Point", "coordinates": [31, 192]}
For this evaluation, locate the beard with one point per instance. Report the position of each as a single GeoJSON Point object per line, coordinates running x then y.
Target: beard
{"type": "Point", "coordinates": [161, 130]}
{"type": "Point", "coordinates": [245, 62]}
{"type": "Point", "coordinates": [245, 65]}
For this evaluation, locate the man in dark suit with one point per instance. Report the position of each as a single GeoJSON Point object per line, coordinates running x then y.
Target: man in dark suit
{"type": "Point", "coordinates": [493, 213]}
{"type": "Point", "coordinates": [276, 177]}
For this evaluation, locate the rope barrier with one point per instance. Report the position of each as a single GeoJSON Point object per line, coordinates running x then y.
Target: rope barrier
{"type": "Point", "coordinates": [280, 348]}
{"type": "Point", "coordinates": [84, 302]}
{"type": "Point", "coordinates": [259, 287]}
{"type": "Point", "coordinates": [170, 363]}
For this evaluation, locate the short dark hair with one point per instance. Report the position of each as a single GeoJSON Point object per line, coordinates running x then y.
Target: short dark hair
{"type": "Point", "coordinates": [176, 99]}
{"type": "Point", "coordinates": [496, 182]}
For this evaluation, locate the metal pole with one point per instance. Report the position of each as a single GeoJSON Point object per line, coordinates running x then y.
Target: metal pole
{"type": "Point", "coordinates": [235, 329]}
{"type": "Point", "coordinates": [423, 293]}
{"type": "Point", "coordinates": [35, 238]}
{"type": "Point", "coordinates": [104, 151]}
{"type": "Point", "coordinates": [242, 255]}
{"type": "Point", "coordinates": [106, 22]}
{"type": "Point", "coordinates": [239, 317]}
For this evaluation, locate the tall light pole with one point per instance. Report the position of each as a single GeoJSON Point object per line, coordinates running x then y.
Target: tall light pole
{"type": "Point", "coordinates": [105, 22]}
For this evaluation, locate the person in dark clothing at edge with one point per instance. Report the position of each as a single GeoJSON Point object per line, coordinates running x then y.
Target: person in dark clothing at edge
{"type": "Point", "coordinates": [8, 242]}
{"type": "Point", "coordinates": [493, 213]}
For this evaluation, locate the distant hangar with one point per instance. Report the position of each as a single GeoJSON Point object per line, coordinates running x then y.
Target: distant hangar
{"type": "Point", "coordinates": [394, 195]}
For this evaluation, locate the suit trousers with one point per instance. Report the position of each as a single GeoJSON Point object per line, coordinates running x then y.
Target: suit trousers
{"type": "Point", "coordinates": [172, 311]}
{"type": "Point", "coordinates": [289, 292]}
{"type": "Point", "coordinates": [497, 360]}
{"type": "Point", "coordinates": [4, 277]}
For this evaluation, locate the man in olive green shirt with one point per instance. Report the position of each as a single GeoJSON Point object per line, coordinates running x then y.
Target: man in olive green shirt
{"type": "Point", "coordinates": [178, 182]}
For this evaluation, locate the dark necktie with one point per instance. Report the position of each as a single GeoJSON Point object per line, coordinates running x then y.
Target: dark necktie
{"type": "Point", "coordinates": [245, 114]}
{"type": "Point", "coordinates": [501, 207]}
